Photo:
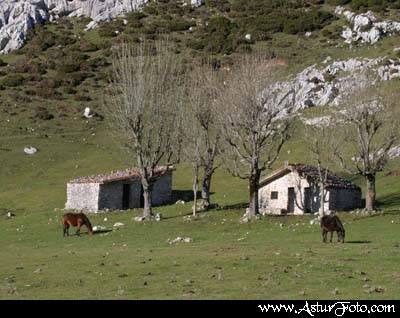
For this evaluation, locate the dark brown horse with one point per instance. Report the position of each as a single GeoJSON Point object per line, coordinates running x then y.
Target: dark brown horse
{"type": "Point", "coordinates": [332, 223]}
{"type": "Point", "coordinates": [76, 219]}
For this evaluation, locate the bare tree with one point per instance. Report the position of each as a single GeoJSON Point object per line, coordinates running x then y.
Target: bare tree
{"type": "Point", "coordinates": [254, 125]}
{"type": "Point", "coordinates": [142, 106]}
{"type": "Point", "coordinates": [367, 127]}
{"type": "Point", "coordinates": [201, 132]}
{"type": "Point", "coordinates": [320, 145]}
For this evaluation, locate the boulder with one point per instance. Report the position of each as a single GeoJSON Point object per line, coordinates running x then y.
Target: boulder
{"type": "Point", "coordinates": [87, 113]}
{"type": "Point", "coordinates": [30, 150]}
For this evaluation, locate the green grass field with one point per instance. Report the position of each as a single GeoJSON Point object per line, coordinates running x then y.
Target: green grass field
{"type": "Point", "coordinates": [273, 258]}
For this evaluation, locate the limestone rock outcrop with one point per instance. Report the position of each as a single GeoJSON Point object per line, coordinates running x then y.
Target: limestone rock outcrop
{"type": "Point", "coordinates": [365, 27]}
{"type": "Point", "coordinates": [18, 16]}
{"type": "Point", "coordinates": [328, 83]}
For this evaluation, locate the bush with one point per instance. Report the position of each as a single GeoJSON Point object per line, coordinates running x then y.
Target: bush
{"type": "Point", "coordinates": [43, 114]}
{"type": "Point", "coordinates": [82, 98]}
{"type": "Point", "coordinates": [13, 80]}
{"type": "Point", "coordinates": [221, 5]}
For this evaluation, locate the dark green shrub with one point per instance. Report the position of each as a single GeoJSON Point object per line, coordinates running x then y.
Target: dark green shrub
{"type": "Point", "coordinates": [221, 5]}
{"type": "Point", "coordinates": [13, 80]}
{"type": "Point", "coordinates": [43, 114]}
{"type": "Point", "coordinates": [82, 98]}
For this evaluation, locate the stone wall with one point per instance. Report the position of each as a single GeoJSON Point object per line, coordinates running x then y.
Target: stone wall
{"type": "Point", "coordinates": [110, 196]}
{"type": "Point", "coordinates": [93, 197]}
{"type": "Point", "coordinates": [282, 185]}
{"type": "Point", "coordinates": [344, 199]}
{"type": "Point", "coordinates": [83, 196]}
{"type": "Point", "coordinates": [335, 199]}
{"type": "Point", "coordinates": [162, 191]}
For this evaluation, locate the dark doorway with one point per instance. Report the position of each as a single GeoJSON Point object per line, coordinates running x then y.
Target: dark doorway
{"type": "Point", "coordinates": [125, 196]}
{"type": "Point", "coordinates": [307, 200]}
{"type": "Point", "coordinates": [141, 197]}
{"type": "Point", "coordinates": [291, 200]}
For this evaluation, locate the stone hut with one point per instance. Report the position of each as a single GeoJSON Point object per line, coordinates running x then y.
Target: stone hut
{"type": "Point", "coordinates": [294, 189]}
{"type": "Point", "coordinates": [119, 190]}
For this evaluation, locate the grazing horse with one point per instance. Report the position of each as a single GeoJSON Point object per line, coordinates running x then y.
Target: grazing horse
{"type": "Point", "coordinates": [76, 219]}
{"type": "Point", "coordinates": [331, 223]}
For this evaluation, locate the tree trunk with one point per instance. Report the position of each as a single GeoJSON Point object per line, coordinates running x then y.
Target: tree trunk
{"type": "Point", "coordinates": [322, 200]}
{"type": "Point", "coordinates": [205, 191]}
{"type": "Point", "coordinates": [195, 188]}
{"type": "Point", "coordinates": [254, 182]}
{"type": "Point", "coordinates": [371, 193]}
{"type": "Point", "coordinates": [147, 196]}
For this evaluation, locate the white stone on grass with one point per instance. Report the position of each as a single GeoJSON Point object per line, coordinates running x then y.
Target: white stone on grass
{"type": "Point", "coordinates": [30, 150]}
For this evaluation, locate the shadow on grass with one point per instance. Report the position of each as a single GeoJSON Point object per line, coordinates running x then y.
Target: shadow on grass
{"type": "Point", "coordinates": [101, 232]}
{"type": "Point", "coordinates": [359, 242]}
{"type": "Point", "coordinates": [237, 206]}
{"type": "Point", "coordinates": [185, 195]}
{"type": "Point", "coordinates": [87, 233]}
{"type": "Point", "coordinates": [389, 201]}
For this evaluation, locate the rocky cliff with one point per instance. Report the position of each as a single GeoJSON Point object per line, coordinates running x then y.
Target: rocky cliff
{"type": "Point", "coordinates": [18, 16]}
{"type": "Point", "coordinates": [366, 27]}
{"type": "Point", "coordinates": [327, 84]}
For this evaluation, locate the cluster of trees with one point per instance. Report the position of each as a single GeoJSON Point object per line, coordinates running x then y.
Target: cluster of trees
{"type": "Point", "coordinates": [163, 113]}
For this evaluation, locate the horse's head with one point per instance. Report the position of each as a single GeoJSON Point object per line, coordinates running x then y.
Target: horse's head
{"type": "Point", "coordinates": [341, 235]}
{"type": "Point", "coordinates": [88, 224]}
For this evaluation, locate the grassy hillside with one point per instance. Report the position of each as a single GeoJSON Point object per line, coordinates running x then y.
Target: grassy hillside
{"type": "Point", "coordinates": [44, 89]}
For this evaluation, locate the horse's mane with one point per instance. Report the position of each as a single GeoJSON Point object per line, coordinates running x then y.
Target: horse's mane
{"type": "Point", "coordinates": [87, 222]}
{"type": "Point", "coordinates": [338, 222]}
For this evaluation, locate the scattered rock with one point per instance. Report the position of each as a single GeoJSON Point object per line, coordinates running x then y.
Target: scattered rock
{"type": "Point", "coordinates": [139, 219]}
{"type": "Point", "coordinates": [180, 202]}
{"type": "Point", "coordinates": [158, 217]}
{"type": "Point", "coordinates": [37, 271]}
{"type": "Point", "coordinates": [10, 214]}
{"type": "Point", "coordinates": [335, 291]}
{"type": "Point", "coordinates": [30, 150]}
{"type": "Point", "coordinates": [118, 225]}
{"type": "Point", "coordinates": [374, 289]}
{"type": "Point", "coordinates": [98, 228]}
{"type": "Point", "coordinates": [87, 113]}
{"type": "Point", "coordinates": [180, 240]}
{"type": "Point", "coordinates": [365, 27]}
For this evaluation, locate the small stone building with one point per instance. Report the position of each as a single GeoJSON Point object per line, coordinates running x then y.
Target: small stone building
{"type": "Point", "coordinates": [119, 190]}
{"type": "Point", "coordinates": [294, 189]}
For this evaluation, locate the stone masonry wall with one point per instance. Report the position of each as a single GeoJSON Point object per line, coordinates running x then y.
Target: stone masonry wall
{"type": "Point", "coordinates": [110, 196]}
{"type": "Point", "coordinates": [82, 196]}
{"type": "Point", "coordinates": [93, 197]}
{"type": "Point", "coordinates": [281, 185]}
{"type": "Point", "coordinates": [344, 199]}
{"type": "Point", "coordinates": [162, 191]}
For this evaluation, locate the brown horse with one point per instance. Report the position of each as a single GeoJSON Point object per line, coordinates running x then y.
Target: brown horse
{"type": "Point", "coordinates": [332, 223]}
{"type": "Point", "coordinates": [76, 219]}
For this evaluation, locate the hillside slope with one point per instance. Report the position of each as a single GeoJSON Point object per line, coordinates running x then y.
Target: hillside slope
{"type": "Point", "coordinates": [62, 69]}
